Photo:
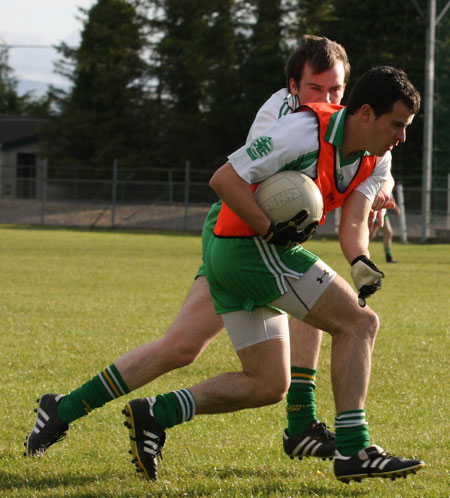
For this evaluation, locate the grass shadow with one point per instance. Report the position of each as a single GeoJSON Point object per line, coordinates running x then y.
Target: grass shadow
{"type": "Point", "coordinates": [13, 482]}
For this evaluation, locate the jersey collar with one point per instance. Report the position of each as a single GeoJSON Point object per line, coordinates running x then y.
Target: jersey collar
{"type": "Point", "coordinates": [335, 135]}
{"type": "Point", "coordinates": [292, 102]}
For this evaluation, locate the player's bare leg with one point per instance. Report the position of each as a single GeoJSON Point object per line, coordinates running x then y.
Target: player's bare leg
{"type": "Point", "coordinates": [388, 234]}
{"type": "Point", "coordinates": [353, 330]}
{"type": "Point", "coordinates": [305, 343]}
{"type": "Point", "coordinates": [192, 330]}
{"type": "Point", "coordinates": [263, 380]}
{"type": "Point", "coordinates": [265, 377]}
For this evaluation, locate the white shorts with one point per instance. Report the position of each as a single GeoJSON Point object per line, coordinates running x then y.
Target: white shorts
{"type": "Point", "coordinates": [304, 293]}
{"type": "Point", "coordinates": [246, 329]}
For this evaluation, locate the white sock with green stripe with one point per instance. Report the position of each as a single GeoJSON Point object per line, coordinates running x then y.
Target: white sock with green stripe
{"type": "Point", "coordinates": [352, 432]}
{"type": "Point", "coordinates": [174, 408]}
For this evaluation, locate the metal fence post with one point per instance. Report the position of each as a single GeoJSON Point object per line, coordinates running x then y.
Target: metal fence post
{"type": "Point", "coordinates": [44, 190]}
{"type": "Point", "coordinates": [170, 186]}
{"type": "Point", "coordinates": [114, 194]}
{"type": "Point", "coordinates": [448, 201]}
{"type": "Point", "coordinates": [402, 216]}
{"type": "Point", "coordinates": [186, 193]}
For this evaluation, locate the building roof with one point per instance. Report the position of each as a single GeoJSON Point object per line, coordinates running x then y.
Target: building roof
{"type": "Point", "coordinates": [16, 130]}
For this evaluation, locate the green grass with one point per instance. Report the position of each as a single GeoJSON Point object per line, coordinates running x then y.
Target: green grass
{"type": "Point", "coordinates": [73, 301]}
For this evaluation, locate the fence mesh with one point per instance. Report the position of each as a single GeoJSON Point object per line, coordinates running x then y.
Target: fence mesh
{"type": "Point", "coordinates": [157, 199]}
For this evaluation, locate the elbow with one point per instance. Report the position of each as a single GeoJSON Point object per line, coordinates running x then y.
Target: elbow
{"type": "Point", "coordinates": [217, 180]}
{"type": "Point", "coordinates": [213, 182]}
{"type": "Point", "coordinates": [215, 186]}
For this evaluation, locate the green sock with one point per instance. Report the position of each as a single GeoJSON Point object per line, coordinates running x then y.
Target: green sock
{"type": "Point", "coordinates": [174, 408]}
{"type": "Point", "coordinates": [104, 387]}
{"type": "Point", "coordinates": [301, 402]}
{"type": "Point", "coordinates": [388, 253]}
{"type": "Point", "coordinates": [352, 432]}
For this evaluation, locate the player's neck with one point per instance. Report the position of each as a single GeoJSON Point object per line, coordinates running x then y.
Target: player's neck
{"type": "Point", "coordinates": [353, 142]}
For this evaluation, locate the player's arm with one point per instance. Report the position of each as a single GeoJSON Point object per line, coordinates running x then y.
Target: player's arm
{"type": "Point", "coordinates": [239, 197]}
{"type": "Point", "coordinates": [354, 239]}
{"type": "Point", "coordinates": [232, 181]}
{"type": "Point", "coordinates": [383, 198]}
{"type": "Point", "coordinates": [353, 229]}
{"type": "Point", "coordinates": [383, 181]}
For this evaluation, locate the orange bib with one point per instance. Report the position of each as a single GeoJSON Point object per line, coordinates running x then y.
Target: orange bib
{"type": "Point", "coordinates": [230, 225]}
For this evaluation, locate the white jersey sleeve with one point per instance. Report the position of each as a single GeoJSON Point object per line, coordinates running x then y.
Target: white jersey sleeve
{"type": "Point", "coordinates": [372, 185]}
{"type": "Point", "coordinates": [275, 107]}
{"type": "Point", "coordinates": [278, 147]}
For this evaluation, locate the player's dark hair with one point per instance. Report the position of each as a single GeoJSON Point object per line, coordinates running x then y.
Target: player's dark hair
{"type": "Point", "coordinates": [320, 53]}
{"type": "Point", "coordinates": [381, 87]}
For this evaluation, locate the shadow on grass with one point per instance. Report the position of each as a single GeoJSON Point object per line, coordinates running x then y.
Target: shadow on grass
{"type": "Point", "coordinates": [107, 230]}
{"type": "Point", "coordinates": [280, 483]}
{"type": "Point", "coordinates": [30, 484]}
{"type": "Point", "coordinates": [271, 484]}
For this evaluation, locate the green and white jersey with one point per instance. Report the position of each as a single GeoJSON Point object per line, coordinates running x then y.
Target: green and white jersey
{"type": "Point", "coordinates": [278, 105]}
{"type": "Point", "coordinates": [293, 143]}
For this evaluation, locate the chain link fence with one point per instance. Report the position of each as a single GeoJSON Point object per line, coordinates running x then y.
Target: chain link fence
{"type": "Point", "coordinates": [162, 199]}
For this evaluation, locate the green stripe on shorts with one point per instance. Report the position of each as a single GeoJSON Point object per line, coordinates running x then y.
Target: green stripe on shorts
{"type": "Point", "coordinates": [246, 273]}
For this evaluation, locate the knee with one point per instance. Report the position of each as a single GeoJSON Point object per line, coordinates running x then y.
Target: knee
{"type": "Point", "coordinates": [370, 324]}
{"type": "Point", "coordinates": [362, 325]}
{"type": "Point", "coordinates": [181, 353]}
{"type": "Point", "coordinates": [274, 392]}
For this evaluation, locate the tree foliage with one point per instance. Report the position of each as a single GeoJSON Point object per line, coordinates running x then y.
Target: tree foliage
{"type": "Point", "coordinates": [391, 32]}
{"type": "Point", "coordinates": [10, 101]}
{"type": "Point", "coordinates": [263, 55]}
{"type": "Point", "coordinates": [159, 82]}
{"type": "Point", "coordinates": [387, 32]}
{"type": "Point", "coordinates": [100, 118]}
{"type": "Point", "coordinates": [189, 72]}
{"type": "Point", "coordinates": [442, 96]}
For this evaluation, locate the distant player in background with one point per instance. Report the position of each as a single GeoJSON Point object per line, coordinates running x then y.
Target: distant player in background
{"type": "Point", "coordinates": [384, 225]}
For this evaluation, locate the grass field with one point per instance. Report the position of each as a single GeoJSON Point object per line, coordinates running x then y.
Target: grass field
{"type": "Point", "coordinates": [73, 301]}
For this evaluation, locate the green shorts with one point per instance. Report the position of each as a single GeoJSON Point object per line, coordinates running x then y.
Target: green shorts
{"type": "Point", "coordinates": [246, 273]}
{"type": "Point", "coordinates": [207, 233]}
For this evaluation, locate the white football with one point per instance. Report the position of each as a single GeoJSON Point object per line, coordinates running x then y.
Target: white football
{"type": "Point", "coordinates": [284, 194]}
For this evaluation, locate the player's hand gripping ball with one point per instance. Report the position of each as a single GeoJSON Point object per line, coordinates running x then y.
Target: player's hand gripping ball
{"type": "Point", "coordinates": [287, 233]}
{"type": "Point", "coordinates": [294, 205]}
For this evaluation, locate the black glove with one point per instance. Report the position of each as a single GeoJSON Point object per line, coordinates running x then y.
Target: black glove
{"type": "Point", "coordinates": [366, 277]}
{"type": "Point", "coordinates": [287, 234]}
{"type": "Point", "coordinates": [309, 231]}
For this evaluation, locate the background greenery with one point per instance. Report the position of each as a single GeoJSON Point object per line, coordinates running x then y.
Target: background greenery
{"type": "Point", "coordinates": [73, 301]}
{"type": "Point", "coordinates": [158, 82]}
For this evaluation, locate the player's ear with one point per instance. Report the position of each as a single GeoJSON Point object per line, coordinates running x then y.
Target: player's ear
{"type": "Point", "coordinates": [293, 87]}
{"type": "Point", "coordinates": [366, 112]}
